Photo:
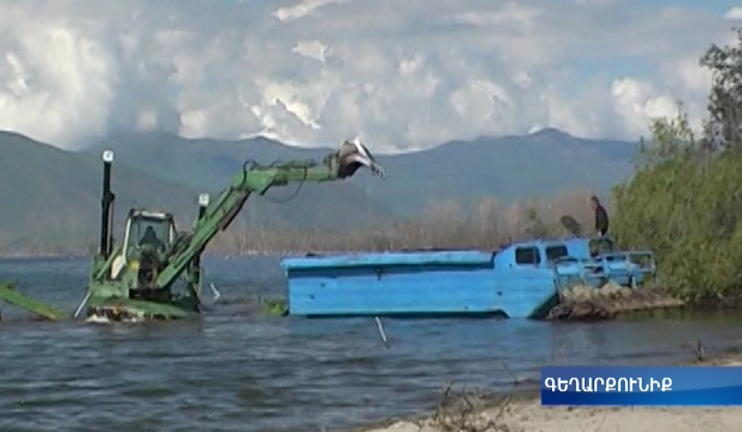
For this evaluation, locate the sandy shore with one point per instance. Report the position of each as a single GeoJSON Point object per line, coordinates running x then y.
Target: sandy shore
{"type": "Point", "coordinates": [525, 414]}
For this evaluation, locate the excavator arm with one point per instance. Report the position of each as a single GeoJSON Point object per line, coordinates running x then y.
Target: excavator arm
{"type": "Point", "coordinates": [257, 179]}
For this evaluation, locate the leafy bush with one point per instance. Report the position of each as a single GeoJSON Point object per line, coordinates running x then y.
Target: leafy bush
{"type": "Point", "coordinates": [686, 198]}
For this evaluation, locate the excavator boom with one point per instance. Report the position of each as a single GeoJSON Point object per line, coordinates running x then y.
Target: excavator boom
{"type": "Point", "coordinates": [259, 179]}
{"type": "Point", "coordinates": [219, 215]}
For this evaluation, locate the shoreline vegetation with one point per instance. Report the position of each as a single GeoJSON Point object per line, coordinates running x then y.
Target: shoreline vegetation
{"type": "Point", "coordinates": [521, 410]}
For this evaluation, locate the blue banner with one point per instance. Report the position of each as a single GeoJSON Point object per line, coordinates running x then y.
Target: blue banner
{"type": "Point", "coordinates": [641, 386]}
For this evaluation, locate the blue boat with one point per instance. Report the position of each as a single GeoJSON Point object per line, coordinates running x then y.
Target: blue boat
{"type": "Point", "coordinates": [522, 280]}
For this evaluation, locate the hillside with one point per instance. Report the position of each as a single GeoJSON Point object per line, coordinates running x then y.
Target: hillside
{"type": "Point", "coordinates": [51, 198]}
{"type": "Point", "coordinates": [537, 165]}
{"type": "Point", "coordinates": [540, 164]}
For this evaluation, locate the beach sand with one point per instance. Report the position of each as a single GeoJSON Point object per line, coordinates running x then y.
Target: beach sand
{"type": "Point", "coordinates": [525, 414]}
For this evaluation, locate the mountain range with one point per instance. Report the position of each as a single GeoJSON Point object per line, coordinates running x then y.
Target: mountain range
{"type": "Point", "coordinates": [51, 197]}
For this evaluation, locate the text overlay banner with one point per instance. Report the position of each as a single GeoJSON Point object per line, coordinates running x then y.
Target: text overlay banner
{"type": "Point", "coordinates": [642, 386]}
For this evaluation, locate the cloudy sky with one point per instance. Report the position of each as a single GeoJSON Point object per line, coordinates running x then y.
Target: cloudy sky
{"type": "Point", "coordinates": [404, 74]}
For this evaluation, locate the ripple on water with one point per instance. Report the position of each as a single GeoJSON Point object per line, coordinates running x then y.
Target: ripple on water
{"type": "Point", "coordinates": [240, 373]}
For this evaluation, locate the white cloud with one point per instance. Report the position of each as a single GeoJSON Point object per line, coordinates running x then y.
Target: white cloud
{"type": "Point", "coordinates": [403, 74]}
{"type": "Point", "coordinates": [313, 49]}
{"type": "Point", "coordinates": [302, 9]}
{"type": "Point", "coordinates": [639, 101]}
{"type": "Point", "coordinates": [734, 13]}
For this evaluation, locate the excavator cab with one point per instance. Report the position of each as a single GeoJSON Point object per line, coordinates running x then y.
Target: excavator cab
{"type": "Point", "coordinates": [148, 230]}
{"type": "Point", "coordinates": [148, 238]}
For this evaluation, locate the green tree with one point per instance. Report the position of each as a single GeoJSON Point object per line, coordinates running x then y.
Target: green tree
{"type": "Point", "coordinates": [686, 199]}
{"type": "Point", "coordinates": [724, 127]}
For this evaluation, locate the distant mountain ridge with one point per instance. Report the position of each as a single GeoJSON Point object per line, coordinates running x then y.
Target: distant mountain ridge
{"type": "Point", "coordinates": [51, 198]}
{"type": "Point", "coordinates": [539, 164]}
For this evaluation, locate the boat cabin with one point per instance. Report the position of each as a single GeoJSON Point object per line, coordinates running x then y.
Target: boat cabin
{"type": "Point", "coordinates": [591, 261]}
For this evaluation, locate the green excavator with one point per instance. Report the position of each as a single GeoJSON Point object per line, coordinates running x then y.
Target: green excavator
{"type": "Point", "coordinates": [155, 273]}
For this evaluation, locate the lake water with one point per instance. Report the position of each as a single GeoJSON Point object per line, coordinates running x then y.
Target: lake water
{"type": "Point", "coordinates": [229, 371]}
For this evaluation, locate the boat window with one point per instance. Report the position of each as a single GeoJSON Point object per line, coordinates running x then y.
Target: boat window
{"type": "Point", "coordinates": [556, 252]}
{"type": "Point", "coordinates": [641, 259]}
{"type": "Point", "coordinates": [527, 255]}
{"type": "Point", "coordinates": [601, 245]}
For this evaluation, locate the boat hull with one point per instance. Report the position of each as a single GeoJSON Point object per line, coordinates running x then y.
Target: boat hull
{"type": "Point", "coordinates": [416, 284]}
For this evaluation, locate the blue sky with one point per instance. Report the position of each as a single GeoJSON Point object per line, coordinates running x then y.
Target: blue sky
{"type": "Point", "coordinates": [405, 75]}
